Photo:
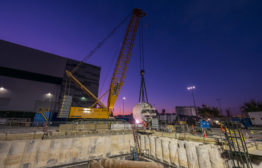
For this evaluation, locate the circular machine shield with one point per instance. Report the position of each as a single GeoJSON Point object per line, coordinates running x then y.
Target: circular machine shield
{"type": "Point", "coordinates": [143, 112]}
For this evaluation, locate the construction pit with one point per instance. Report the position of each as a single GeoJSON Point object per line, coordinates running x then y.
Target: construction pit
{"type": "Point", "coordinates": [101, 145]}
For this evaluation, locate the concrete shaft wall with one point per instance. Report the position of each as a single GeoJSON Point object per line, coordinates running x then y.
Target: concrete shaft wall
{"type": "Point", "coordinates": [50, 152]}
{"type": "Point", "coordinates": [180, 153]}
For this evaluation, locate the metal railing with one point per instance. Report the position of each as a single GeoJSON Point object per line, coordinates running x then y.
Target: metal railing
{"type": "Point", "coordinates": [21, 126]}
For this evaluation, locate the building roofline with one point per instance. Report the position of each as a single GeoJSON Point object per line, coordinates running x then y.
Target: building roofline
{"type": "Point", "coordinates": [21, 45]}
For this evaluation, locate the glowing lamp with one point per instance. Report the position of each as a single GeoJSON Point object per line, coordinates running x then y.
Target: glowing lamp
{"type": "Point", "coordinates": [49, 94]}
{"type": "Point", "coordinates": [191, 87]}
{"type": "Point", "coordinates": [86, 110]}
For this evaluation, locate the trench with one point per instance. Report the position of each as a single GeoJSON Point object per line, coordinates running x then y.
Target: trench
{"type": "Point", "coordinates": [82, 150]}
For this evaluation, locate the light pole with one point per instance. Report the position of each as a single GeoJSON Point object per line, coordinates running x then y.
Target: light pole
{"type": "Point", "coordinates": [192, 88]}
{"type": "Point", "coordinates": [49, 97]}
{"type": "Point", "coordinates": [124, 98]}
{"type": "Point", "coordinates": [219, 105]}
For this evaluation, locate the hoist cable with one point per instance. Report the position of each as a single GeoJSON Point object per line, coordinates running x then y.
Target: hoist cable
{"type": "Point", "coordinates": [142, 42]}
{"type": "Point", "coordinates": [143, 92]}
{"type": "Point", "coordinates": [109, 70]}
{"type": "Point", "coordinates": [99, 45]}
{"type": "Point", "coordinates": [141, 45]}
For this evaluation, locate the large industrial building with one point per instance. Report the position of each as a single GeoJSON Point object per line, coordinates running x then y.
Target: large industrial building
{"type": "Point", "coordinates": [30, 79]}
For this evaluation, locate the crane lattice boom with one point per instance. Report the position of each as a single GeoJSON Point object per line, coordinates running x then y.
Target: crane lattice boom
{"type": "Point", "coordinates": [123, 59]}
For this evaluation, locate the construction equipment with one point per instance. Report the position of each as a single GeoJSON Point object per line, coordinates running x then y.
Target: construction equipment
{"type": "Point", "coordinates": [105, 111]}
{"type": "Point", "coordinates": [137, 149]}
{"type": "Point", "coordinates": [143, 112]}
{"type": "Point", "coordinates": [238, 152]}
{"type": "Point", "coordinates": [42, 111]}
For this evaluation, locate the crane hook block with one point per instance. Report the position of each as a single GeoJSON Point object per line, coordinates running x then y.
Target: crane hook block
{"type": "Point", "coordinates": [139, 12]}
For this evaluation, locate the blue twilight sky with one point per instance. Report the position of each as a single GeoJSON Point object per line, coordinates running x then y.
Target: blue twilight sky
{"type": "Point", "coordinates": [214, 45]}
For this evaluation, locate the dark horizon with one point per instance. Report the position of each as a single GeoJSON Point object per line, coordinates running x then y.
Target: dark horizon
{"type": "Point", "coordinates": [215, 46]}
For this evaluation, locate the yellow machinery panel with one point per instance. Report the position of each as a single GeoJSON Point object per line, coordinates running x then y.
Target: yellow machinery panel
{"type": "Point", "coordinates": [88, 113]}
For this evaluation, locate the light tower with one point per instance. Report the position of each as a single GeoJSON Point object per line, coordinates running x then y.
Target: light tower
{"type": "Point", "coordinates": [192, 88]}
{"type": "Point", "coordinates": [124, 99]}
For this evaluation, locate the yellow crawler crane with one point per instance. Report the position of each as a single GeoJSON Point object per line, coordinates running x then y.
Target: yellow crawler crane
{"type": "Point", "coordinates": [104, 112]}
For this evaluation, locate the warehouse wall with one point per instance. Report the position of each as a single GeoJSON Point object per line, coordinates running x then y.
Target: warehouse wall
{"type": "Point", "coordinates": [28, 59]}
{"type": "Point", "coordinates": [25, 95]}
{"type": "Point", "coordinates": [27, 75]}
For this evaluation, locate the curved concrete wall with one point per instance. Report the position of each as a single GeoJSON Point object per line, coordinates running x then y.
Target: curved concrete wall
{"type": "Point", "coordinates": [50, 152]}
{"type": "Point", "coordinates": [179, 153]}
{"type": "Point", "coordinates": [37, 153]}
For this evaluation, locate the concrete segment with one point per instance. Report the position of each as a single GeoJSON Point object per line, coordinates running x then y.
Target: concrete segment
{"type": "Point", "coordinates": [147, 142]}
{"type": "Point", "coordinates": [4, 149]}
{"type": "Point", "coordinates": [173, 152]}
{"type": "Point", "coordinates": [142, 144]}
{"type": "Point", "coordinates": [158, 149]}
{"type": "Point", "coordinates": [152, 149]}
{"type": "Point", "coordinates": [42, 155]}
{"type": "Point", "coordinates": [215, 157]}
{"type": "Point", "coordinates": [191, 155]}
{"type": "Point", "coordinates": [64, 150]}
{"type": "Point", "coordinates": [203, 156]}
{"type": "Point", "coordinates": [182, 157]}
{"type": "Point", "coordinates": [91, 149]}
{"type": "Point", "coordinates": [165, 150]}
{"type": "Point", "coordinates": [99, 146]}
{"type": "Point", "coordinates": [128, 138]}
{"type": "Point", "coordinates": [75, 149]}
{"type": "Point", "coordinates": [30, 152]}
{"type": "Point", "coordinates": [15, 154]}
{"type": "Point", "coordinates": [54, 151]}
{"type": "Point", "coordinates": [115, 143]}
{"type": "Point", "coordinates": [83, 153]}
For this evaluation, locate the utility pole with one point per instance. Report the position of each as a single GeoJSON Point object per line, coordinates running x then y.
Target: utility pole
{"type": "Point", "coordinates": [219, 105]}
